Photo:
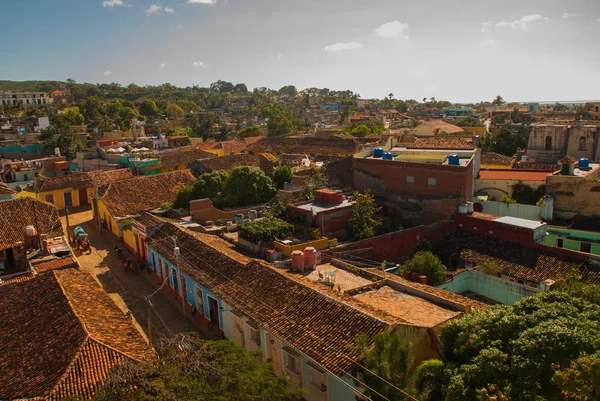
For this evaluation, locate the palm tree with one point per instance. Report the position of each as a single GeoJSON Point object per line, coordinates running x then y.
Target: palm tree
{"type": "Point", "coordinates": [498, 101]}
{"type": "Point", "coordinates": [391, 95]}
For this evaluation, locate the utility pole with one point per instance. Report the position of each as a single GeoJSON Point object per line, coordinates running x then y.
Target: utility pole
{"type": "Point", "coordinates": [149, 324]}
{"type": "Point", "coordinates": [97, 207]}
{"type": "Point", "coordinates": [176, 251]}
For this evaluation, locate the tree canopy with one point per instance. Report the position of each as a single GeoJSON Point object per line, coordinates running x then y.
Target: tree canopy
{"type": "Point", "coordinates": [267, 229]}
{"type": "Point", "coordinates": [192, 369]}
{"type": "Point", "coordinates": [363, 222]}
{"type": "Point", "coordinates": [281, 175]}
{"type": "Point", "coordinates": [543, 347]}
{"type": "Point", "coordinates": [427, 264]}
{"type": "Point", "coordinates": [242, 186]}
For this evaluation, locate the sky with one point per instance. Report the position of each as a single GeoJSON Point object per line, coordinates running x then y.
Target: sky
{"type": "Point", "coordinates": [462, 51]}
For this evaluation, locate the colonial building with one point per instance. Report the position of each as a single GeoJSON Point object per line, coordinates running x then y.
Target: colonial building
{"type": "Point", "coordinates": [549, 143]}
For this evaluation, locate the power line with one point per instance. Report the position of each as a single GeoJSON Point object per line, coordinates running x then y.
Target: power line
{"type": "Point", "coordinates": [294, 323]}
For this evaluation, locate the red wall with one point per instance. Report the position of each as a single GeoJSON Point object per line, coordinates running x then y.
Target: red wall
{"type": "Point", "coordinates": [399, 244]}
{"type": "Point", "coordinates": [451, 180]}
{"type": "Point", "coordinates": [492, 229]}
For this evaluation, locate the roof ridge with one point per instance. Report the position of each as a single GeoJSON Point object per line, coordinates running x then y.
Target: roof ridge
{"type": "Point", "coordinates": [67, 371]}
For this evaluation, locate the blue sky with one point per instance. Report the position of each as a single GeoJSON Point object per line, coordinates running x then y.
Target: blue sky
{"type": "Point", "coordinates": [461, 51]}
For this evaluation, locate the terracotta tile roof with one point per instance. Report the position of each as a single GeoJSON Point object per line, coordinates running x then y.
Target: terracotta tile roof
{"type": "Point", "coordinates": [494, 158]}
{"type": "Point", "coordinates": [70, 333]}
{"type": "Point", "coordinates": [253, 139]}
{"type": "Point", "coordinates": [441, 142]}
{"type": "Point", "coordinates": [307, 144]}
{"type": "Point", "coordinates": [529, 264]}
{"type": "Point", "coordinates": [317, 325]}
{"type": "Point", "coordinates": [103, 178]}
{"type": "Point", "coordinates": [229, 147]}
{"type": "Point", "coordinates": [513, 175]}
{"type": "Point", "coordinates": [439, 126]}
{"type": "Point", "coordinates": [16, 214]}
{"type": "Point", "coordinates": [74, 180]}
{"type": "Point", "coordinates": [4, 190]}
{"type": "Point", "coordinates": [223, 163]}
{"type": "Point", "coordinates": [175, 159]}
{"type": "Point", "coordinates": [16, 278]}
{"type": "Point", "coordinates": [130, 197]}
{"type": "Point", "coordinates": [54, 264]}
{"type": "Point", "coordinates": [536, 166]}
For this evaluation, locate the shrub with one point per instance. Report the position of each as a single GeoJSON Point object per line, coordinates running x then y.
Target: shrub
{"type": "Point", "coordinates": [265, 230]}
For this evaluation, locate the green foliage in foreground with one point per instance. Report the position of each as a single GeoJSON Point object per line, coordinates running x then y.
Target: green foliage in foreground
{"type": "Point", "coordinates": [426, 264]}
{"type": "Point", "coordinates": [194, 369]}
{"type": "Point", "coordinates": [267, 229]}
{"type": "Point", "coordinates": [544, 347]}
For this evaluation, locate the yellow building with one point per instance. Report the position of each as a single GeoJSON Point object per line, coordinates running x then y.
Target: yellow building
{"type": "Point", "coordinates": [124, 199]}
{"type": "Point", "coordinates": [67, 191]}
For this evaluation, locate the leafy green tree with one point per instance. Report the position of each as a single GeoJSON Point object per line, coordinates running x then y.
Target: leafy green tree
{"type": "Point", "coordinates": [581, 381]}
{"type": "Point", "coordinates": [430, 377]}
{"type": "Point", "coordinates": [279, 123]}
{"type": "Point", "coordinates": [222, 86]}
{"type": "Point", "coordinates": [426, 264]}
{"type": "Point", "coordinates": [289, 91]}
{"type": "Point", "coordinates": [498, 101]}
{"type": "Point", "coordinates": [188, 106]}
{"type": "Point", "coordinates": [192, 369]}
{"type": "Point", "coordinates": [174, 112]}
{"type": "Point", "coordinates": [281, 175]}
{"type": "Point", "coordinates": [389, 359]}
{"type": "Point", "coordinates": [246, 186]}
{"type": "Point", "coordinates": [70, 116]}
{"type": "Point", "coordinates": [536, 349]}
{"type": "Point", "coordinates": [63, 139]}
{"type": "Point", "coordinates": [468, 121]}
{"type": "Point", "coordinates": [360, 131]}
{"type": "Point", "coordinates": [363, 223]}
{"type": "Point", "coordinates": [265, 230]}
{"type": "Point", "coordinates": [148, 108]}
{"type": "Point", "coordinates": [240, 88]}
{"type": "Point", "coordinates": [317, 180]}
{"type": "Point", "coordinates": [250, 132]}
{"type": "Point", "coordinates": [506, 141]}
{"type": "Point", "coordinates": [524, 194]}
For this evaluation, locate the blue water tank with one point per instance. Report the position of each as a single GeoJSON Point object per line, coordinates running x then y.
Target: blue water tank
{"type": "Point", "coordinates": [378, 152]}
{"type": "Point", "coordinates": [454, 160]}
{"type": "Point", "coordinates": [387, 156]}
{"type": "Point", "coordinates": [584, 162]}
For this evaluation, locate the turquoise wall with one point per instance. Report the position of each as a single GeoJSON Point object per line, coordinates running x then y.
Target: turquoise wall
{"type": "Point", "coordinates": [500, 290]}
{"type": "Point", "coordinates": [572, 239]}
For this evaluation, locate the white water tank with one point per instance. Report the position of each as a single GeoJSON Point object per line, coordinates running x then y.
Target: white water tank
{"type": "Point", "coordinates": [252, 214]}
{"type": "Point", "coordinates": [57, 152]}
{"type": "Point", "coordinates": [30, 231]}
{"type": "Point", "coordinates": [463, 208]}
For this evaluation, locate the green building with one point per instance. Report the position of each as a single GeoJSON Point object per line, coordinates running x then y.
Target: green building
{"type": "Point", "coordinates": [576, 240]}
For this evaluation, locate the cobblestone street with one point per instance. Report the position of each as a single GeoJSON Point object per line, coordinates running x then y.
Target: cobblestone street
{"type": "Point", "coordinates": [128, 289]}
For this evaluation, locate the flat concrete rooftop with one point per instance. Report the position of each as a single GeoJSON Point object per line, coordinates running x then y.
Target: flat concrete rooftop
{"type": "Point", "coordinates": [408, 307]}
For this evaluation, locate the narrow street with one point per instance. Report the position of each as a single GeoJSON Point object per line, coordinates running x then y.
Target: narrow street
{"type": "Point", "coordinates": [128, 289]}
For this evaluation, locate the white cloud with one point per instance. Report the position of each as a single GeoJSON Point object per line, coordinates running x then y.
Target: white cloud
{"type": "Point", "coordinates": [338, 47]}
{"type": "Point", "coordinates": [279, 55]}
{"type": "Point", "coordinates": [489, 42]}
{"type": "Point", "coordinates": [485, 26]}
{"type": "Point", "coordinates": [522, 22]}
{"type": "Point", "coordinates": [197, 64]}
{"type": "Point", "coordinates": [169, 10]}
{"type": "Point", "coordinates": [114, 3]}
{"type": "Point", "coordinates": [201, 1]}
{"type": "Point", "coordinates": [393, 29]}
{"type": "Point", "coordinates": [161, 65]}
{"type": "Point", "coordinates": [108, 72]}
{"type": "Point", "coordinates": [153, 8]}
{"type": "Point", "coordinates": [568, 15]}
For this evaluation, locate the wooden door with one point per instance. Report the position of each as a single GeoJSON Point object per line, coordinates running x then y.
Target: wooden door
{"type": "Point", "coordinates": [213, 310]}
{"type": "Point", "coordinates": [83, 197]}
{"type": "Point", "coordinates": [68, 198]}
